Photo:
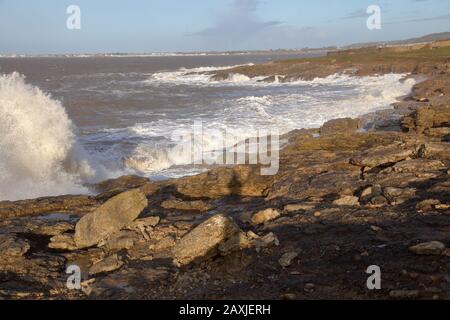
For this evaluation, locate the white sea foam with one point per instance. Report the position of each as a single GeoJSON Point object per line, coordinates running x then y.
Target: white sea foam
{"type": "Point", "coordinates": [38, 152]}
{"type": "Point", "coordinates": [308, 104]}
{"type": "Point", "coordinates": [193, 76]}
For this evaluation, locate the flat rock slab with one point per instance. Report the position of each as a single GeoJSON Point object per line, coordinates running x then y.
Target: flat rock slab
{"type": "Point", "coordinates": [204, 240]}
{"type": "Point", "coordinates": [111, 217]}
{"type": "Point", "coordinates": [383, 155]}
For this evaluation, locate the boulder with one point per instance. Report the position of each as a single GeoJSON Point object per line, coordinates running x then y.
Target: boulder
{"type": "Point", "coordinates": [265, 216]}
{"type": "Point", "coordinates": [112, 216]}
{"type": "Point", "coordinates": [204, 240]}
{"type": "Point", "coordinates": [432, 248]}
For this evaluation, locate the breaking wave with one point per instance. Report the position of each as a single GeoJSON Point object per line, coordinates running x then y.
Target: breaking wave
{"type": "Point", "coordinates": [39, 155]}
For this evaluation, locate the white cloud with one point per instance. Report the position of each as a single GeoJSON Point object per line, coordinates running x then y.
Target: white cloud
{"type": "Point", "coordinates": [241, 27]}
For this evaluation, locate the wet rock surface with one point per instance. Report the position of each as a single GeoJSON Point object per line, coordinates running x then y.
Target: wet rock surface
{"type": "Point", "coordinates": [343, 200]}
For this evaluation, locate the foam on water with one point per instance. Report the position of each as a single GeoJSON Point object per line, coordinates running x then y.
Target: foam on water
{"type": "Point", "coordinates": [305, 104]}
{"type": "Point", "coordinates": [194, 76]}
{"type": "Point", "coordinates": [38, 152]}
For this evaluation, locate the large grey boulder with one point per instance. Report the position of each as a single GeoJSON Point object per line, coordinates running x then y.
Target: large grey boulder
{"type": "Point", "coordinates": [204, 240]}
{"type": "Point", "coordinates": [111, 217]}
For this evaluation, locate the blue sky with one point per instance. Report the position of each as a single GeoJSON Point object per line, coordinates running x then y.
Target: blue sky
{"type": "Point", "coordinates": [37, 27]}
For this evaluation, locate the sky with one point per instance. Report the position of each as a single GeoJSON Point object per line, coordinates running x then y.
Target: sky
{"type": "Point", "coordinates": [138, 26]}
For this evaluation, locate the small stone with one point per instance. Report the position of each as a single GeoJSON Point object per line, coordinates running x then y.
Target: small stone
{"type": "Point", "coordinates": [269, 239]}
{"type": "Point", "coordinates": [428, 248]}
{"type": "Point", "coordinates": [310, 288]}
{"type": "Point", "coordinates": [109, 264]}
{"type": "Point", "coordinates": [317, 214]}
{"type": "Point", "coordinates": [446, 253]}
{"type": "Point", "coordinates": [264, 216]}
{"type": "Point", "coordinates": [287, 259]}
{"type": "Point", "coordinates": [349, 201]}
{"type": "Point", "coordinates": [427, 205]}
{"type": "Point", "coordinates": [375, 228]}
{"type": "Point", "coordinates": [299, 207]}
{"type": "Point", "coordinates": [378, 202]}
{"type": "Point", "coordinates": [370, 192]}
{"type": "Point", "coordinates": [251, 235]}
{"type": "Point", "coordinates": [288, 296]}
{"type": "Point", "coordinates": [404, 294]}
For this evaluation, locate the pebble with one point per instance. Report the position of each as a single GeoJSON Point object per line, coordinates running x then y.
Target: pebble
{"type": "Point", "coordinates": [287, 259]}
{"type": "Point", "coordinates": [428, 248]}
{"type": "Point", "coordinates": [404, 294]}
{"type": "Point", "coordinates": [310, 288]}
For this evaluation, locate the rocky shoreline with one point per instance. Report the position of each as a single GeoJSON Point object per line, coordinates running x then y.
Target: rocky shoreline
{"type": "Point", "coordinates": [343, 200]}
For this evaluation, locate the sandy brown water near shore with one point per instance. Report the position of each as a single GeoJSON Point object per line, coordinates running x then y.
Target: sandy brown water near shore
{"type": "Point", "coordinates": [343, 200]}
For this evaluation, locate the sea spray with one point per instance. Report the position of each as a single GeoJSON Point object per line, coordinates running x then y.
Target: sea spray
{"type": "Point", "coordinates": [38, 151]}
